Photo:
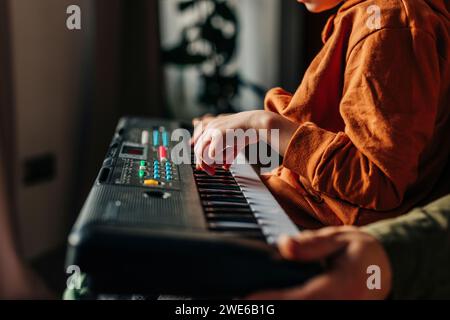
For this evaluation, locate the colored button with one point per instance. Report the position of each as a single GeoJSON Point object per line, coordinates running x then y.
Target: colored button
{"type": "Point", "coordinates": [156, 138]}
{"type": "Point", "coordinates": [145, 137]}
{"type": "Point", "coordinates": [165, 139]}
{"type": "Point", "coordinates": [162, 153]}
{"type": "Point", "coordinates": [151, 182]}
{"type": "Point", "coordinates": [143, 163]}
{"type": "Point", "coordinates": [141, 173]}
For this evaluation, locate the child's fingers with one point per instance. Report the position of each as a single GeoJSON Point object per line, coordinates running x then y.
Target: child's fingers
{"type": "Point", "coordinates": [195, 121]}
{"type": "Point", "coordinates": [216, 145]}
{"type": "Point", "coordinates": [198, 131]}
{"type": "Point", "coordinates": [230, 154]}
{"type": "Point", "coordinates": [201, 149]}
{"type": "Point", "coordinates": [199, 146]}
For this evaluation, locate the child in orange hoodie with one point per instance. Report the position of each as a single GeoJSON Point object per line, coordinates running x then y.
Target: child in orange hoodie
{"type": "Point", "coordinates": [367, 134]}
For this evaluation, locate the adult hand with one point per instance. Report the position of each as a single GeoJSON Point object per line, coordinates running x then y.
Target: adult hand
{"type": "Point", "coordinates": [348, 252]}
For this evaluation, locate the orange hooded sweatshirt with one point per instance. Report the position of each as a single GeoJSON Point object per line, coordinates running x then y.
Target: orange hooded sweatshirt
{"type": "Point", "coordinates": [374, 115]}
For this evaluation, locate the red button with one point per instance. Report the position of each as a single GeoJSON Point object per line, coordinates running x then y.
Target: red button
{"type": "Point", "coordinates": [162, 153]}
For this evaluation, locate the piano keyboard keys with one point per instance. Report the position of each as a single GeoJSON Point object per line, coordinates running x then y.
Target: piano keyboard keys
{"type": "Point", "coordinates": [235, 203]}
{"type": "Point", "coordinates": [226, 209]}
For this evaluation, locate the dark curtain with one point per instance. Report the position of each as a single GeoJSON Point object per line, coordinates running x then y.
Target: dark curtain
{"type": "Point", "coordinates": [7, 123]}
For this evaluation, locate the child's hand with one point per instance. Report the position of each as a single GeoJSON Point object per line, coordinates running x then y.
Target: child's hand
{"type": "Point", "coordinates": [350, 251]}
{"type": "Point", "coordinates": [210, 136]}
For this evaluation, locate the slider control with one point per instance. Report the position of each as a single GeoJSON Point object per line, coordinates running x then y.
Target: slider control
{"type": "Point", "coordinates": [165, 139]}
{"type": "Point", "coordinates": [155, 137]}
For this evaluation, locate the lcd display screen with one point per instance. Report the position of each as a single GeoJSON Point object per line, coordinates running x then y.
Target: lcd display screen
{"type": "Point", "coordinates": [135, 151]}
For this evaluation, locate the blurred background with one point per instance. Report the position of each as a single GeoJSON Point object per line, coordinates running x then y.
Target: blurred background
{"type": "Point", "coordinates": [62, 92]}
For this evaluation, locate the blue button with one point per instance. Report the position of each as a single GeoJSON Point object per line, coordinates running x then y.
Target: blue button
{"type": "Point", "coordinates": [155, 138]}
{"type": "Point", "coordinates": [165, 138]}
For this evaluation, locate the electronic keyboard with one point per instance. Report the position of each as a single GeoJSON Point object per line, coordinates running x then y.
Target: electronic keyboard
{"type": "Point", "coordinates": [153, 224]}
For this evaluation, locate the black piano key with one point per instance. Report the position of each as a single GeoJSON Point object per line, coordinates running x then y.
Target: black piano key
{"type": "Point", "coordinates": [215, 179]}
{"type": "Point", "coordinates": [217, 174]}
{"type": "Point", "coordinates": [215, 191]}
{"type": "Point", "coordinates": [224, 204]}
{"type": "Point", "coordinates": [226, 198]}
{"type": "Point", "coordinates": [218, 182]}
{"type": "Point", "coordinates": [220, 170]}
{"type": "Point", "coordinates": [228, 210]}
{"type": "Point", "coordinates": [219, 187]}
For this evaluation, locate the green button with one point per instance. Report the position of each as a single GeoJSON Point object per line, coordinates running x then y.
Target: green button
{"type": "Point", "coordinates": [141, 173]}
{"type": "Point", "coordinates": [143, 163]}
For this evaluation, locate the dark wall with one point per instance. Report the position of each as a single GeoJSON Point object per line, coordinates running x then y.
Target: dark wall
{"type": "Point", "coordinates": [7, 119]}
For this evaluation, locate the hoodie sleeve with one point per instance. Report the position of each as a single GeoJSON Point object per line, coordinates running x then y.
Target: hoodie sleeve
{"type": "Point", "coordinates": [277, 99]}
{"type": "Point", "coordinates": [418, 246]}
{"type": "Point", "coordinates": [389, 105]}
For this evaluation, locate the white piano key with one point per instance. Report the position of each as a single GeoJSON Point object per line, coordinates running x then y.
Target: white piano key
{"type": "Point", "coordinates": [269, 214]}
